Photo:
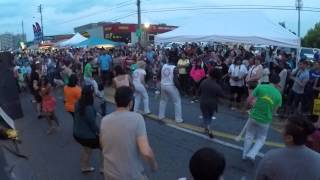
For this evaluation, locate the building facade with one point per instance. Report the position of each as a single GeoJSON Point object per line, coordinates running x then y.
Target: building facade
{"type": "Point", "coordinates": [122, 32]}
{"type": "Point", "coordinates": [10, 41]}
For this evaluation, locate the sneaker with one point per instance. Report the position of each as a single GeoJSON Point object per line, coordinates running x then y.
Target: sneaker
{"type": "Point", "coordinates": [213, 118]}
{"type": "Point", "coordinates": [192, 102]}
{"type": "Point", "coordinates": [157, 92]}
{"type": "Point", "coordinates": [179, 121]}
{"type": "Point", "coordinates": [50, 131]}
{"type": "Point", "coordinates": [200, 117]}
{"type": "Point", "coordinates": [208, 132]}
{"type": "Point", "coordinates": [87, 170]}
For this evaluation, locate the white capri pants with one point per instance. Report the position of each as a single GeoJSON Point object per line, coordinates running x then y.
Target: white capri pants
{"type": "Point", "coordinates": [141, 93]}
{"type": "Point", "coordinates": [170, 92]}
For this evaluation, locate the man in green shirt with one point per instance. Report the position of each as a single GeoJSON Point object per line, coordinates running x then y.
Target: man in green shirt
{"type": "Point", "coordinates": [88, 70]}
{"type": "Point", "coordinates": [268, 99]}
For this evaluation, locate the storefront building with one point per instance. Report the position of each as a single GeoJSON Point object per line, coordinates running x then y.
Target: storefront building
{"type": "Point", "coordinates": [122, 32]}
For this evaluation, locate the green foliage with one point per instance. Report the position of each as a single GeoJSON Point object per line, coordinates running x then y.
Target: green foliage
{"type": "Point", "coordinates": [312, 38]}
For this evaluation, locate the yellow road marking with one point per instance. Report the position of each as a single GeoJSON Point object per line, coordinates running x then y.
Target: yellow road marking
{"type": "Point", "coordinates": [200, 129]}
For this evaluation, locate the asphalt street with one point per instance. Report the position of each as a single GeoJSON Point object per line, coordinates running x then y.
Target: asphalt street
{"type": "Point", "coordinates": [56, 157]}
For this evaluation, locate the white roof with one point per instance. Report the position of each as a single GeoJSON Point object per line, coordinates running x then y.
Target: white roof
{"type": "Point", "coordinates": [234, 27]}
{"type": "Point", "coordinates": [77, 38]}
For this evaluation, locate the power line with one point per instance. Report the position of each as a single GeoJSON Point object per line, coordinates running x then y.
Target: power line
{"type": "Point", "coordinates": [211, 8]}
{"type": "Point", "coordinates": [222, 8]}
{"type": "Point", "coordinates": [119, 5]}
{"type": "Point", "coordinates": [125, 16]}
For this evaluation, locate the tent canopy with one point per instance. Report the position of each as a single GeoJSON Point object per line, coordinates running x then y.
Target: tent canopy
{"type": "Point", "coordinates": [77, 38]}
{"type": "Point", "coordinates": [92, 42]}
{"type": "Point", "coordinates": [233, 27]}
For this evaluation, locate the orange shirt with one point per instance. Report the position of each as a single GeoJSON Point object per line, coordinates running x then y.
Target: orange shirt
{"type": "Point", "coordinates": [71, 96]}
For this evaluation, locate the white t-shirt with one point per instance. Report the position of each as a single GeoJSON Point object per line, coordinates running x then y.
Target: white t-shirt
{"type": "Point", "coordinates": [167, 75]}
{"type": "Point", "coordinates": [255, 71]}
{"type": "Point", "coordinates": [237, 71]}
{"type": "Point", "coordinates": [283, 77]}
{"type": "Point", "coordinates": [265, 76]}
{"type": "Point", "coordinates": [138, 75]}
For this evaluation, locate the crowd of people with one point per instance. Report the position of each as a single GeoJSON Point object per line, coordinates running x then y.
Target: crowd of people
{"type": "Point", "coordinates": [268, 83]}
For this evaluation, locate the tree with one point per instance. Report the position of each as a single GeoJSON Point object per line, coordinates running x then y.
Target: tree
{"type": "Point", "coordinates": [312, 38]}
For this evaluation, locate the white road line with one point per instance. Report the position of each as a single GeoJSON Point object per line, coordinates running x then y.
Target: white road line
{"type": "Point", "coordinates": [224, 143]}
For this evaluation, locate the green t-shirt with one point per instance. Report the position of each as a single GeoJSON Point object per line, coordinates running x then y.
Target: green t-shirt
{"type": "Point", "coordinates": [88, 70]}
{"type": "Point", "coordinates": [133, 67]}
{"type": "Point", "coordinates": [268, 98]}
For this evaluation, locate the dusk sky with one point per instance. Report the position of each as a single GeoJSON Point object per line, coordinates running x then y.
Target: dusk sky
{"type": "Point", "coordinates": [61, 16]}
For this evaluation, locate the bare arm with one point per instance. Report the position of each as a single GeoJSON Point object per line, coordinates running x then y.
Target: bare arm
{"type": "Point", "coordinates": [146, 152]}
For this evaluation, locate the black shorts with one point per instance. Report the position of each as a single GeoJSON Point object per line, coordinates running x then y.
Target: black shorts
{"type": "Point", "coordinates": [236, 90]}
{"type": "Point", "coordinates": [37, 97]}
{"type": "Point", "coordinates": [91, 143]}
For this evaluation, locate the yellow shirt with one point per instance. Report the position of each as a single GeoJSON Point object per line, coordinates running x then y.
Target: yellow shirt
{"type": "Point", "coordinates": [184, 63]}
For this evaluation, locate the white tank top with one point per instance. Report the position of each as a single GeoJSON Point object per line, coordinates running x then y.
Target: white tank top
{"type": "Point", "coordinates": [122, 80]}
{"type": "Point", "coordinates": [137, 75]}
{"type": "Point", "coordinates": [167, 74]}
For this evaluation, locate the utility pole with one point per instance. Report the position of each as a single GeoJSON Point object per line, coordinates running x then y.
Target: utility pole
{"type": "Point", "coordinates": [22, 37]}
{"type": "Point", "coordinates": [139, 21]}
{"type": "Point", "coordinates": [299, 5]}
{"type": "Point", "coordinates": [40, 11]}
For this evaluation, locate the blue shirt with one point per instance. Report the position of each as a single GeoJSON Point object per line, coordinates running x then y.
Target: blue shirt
{"type": "Point", "coordinates": [313, 75]}
{"type": "Point", "coordinates": [150, 56]}
{"type": "Point", "coordinates": [104, 61]}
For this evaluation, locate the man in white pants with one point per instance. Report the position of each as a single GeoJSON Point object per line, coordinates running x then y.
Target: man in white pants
{"type": "Point", "coordinates": [138, 77]}
{"type": "Point", "coordinates": [169, 81]}
{"type": "Point", "coordinates": [268, 99]}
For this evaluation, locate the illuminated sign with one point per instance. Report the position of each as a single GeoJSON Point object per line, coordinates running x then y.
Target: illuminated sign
{"type": "Point", "coordinates": [108, 28]}
{"type": "Point", "coordinates": [123, 27]}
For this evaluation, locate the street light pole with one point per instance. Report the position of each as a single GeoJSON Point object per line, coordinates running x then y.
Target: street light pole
{"type": "Point", "coordinates": [139, 20]}
{"type": "Point", "coordinates": [22, 36]}
{"type": "Point", "coordinates": [299, 5]}
{"type": "Point", "coordinates": [40, 11]}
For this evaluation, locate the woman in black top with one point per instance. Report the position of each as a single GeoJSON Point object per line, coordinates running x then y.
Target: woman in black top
{"type": "Point", "coordinates": [35, 88]}
{"type": "Point", "coordinates": [210, 92]}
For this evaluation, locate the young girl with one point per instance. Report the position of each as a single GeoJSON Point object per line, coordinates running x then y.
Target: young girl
{"type": "Point", "coordinates": [48, 104]}
{"type": "Point", "coordinates": [197, 74]}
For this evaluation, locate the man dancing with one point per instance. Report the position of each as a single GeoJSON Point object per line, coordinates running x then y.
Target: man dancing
{"type": "Point", "coordinates": [268, 99]}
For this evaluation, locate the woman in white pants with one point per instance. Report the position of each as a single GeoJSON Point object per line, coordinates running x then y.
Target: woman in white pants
{"type": "Point", "coordinates": [140, 92]}
{"type": "Point", "coordinates": [169, 83]}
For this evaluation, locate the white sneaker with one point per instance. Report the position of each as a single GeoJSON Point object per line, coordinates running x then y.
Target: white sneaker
{"type": "Point", "coordinates": [213, 118]}
{"type": "Point", "coordinates": [179, 121]}
{"type": "Point", "coordinates": [157, 92]}
{"type": "Point", "coordinates": [200, 117]}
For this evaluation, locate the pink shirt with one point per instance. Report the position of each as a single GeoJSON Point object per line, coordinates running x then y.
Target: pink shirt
{"type": "Point", "coordinates": [197, 74]}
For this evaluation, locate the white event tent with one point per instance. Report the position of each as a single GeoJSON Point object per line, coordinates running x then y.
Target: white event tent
{"type": "Point", "coordinates": [231, 27]}
{"type": "Point", "coordinates": [76, 39]}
